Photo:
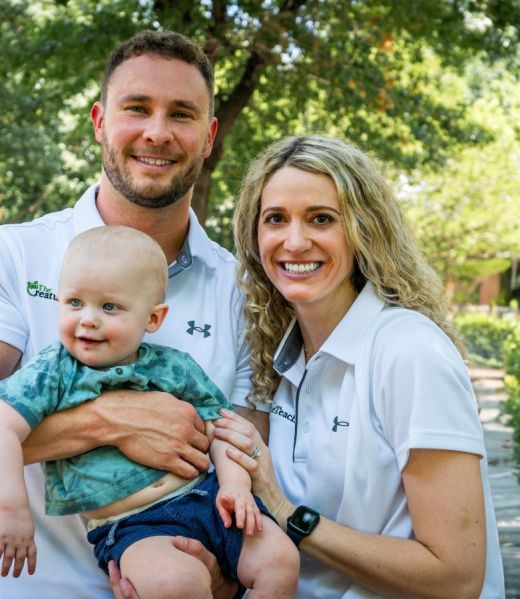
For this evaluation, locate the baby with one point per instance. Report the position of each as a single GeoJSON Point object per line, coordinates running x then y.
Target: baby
{"type": "Point", "coordinates": [111, 291]}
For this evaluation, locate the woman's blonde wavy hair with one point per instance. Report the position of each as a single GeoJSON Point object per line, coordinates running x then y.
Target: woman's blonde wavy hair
{"type": "Point", "coordinates": [384, 247]}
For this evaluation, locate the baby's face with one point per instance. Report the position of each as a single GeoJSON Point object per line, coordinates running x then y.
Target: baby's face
{"type": "Point", "coordinates": [103, 312]}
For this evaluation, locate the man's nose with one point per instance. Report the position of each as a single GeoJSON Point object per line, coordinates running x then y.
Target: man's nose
{"type": "Point", "coordinates": [158, 129]}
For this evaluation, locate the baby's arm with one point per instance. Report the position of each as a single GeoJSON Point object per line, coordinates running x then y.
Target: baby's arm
{"type": "Point", "coordinates": [16, 523]}
{"type": "Point", "coordinates": [234, 494]}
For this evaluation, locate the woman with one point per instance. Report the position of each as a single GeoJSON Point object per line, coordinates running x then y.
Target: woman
{"type": "Point", "coordinates": [373, 422]}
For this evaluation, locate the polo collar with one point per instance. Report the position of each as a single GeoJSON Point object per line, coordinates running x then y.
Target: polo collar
{"type": "Point", "coordinates": [196, 244]}
{"type": "Point", "coordinates": [345, 341]}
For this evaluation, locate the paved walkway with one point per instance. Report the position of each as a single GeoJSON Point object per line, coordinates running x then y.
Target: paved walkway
{"type": "Point", "coordinates": [488, 384]}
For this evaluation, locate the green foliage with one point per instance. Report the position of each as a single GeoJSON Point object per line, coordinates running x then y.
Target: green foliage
{"type": "Point", "coordinates": [485, 335]}
{"type": "Point", "coordinates": [512, 353]}
{"type": "Point", "coordinates": [512, 384]}
{"type": "Point", "coordinates": [388, 75]}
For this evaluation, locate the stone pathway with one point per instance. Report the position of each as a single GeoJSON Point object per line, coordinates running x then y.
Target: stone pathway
{"type": "Point", "coordinates": [488, 385]}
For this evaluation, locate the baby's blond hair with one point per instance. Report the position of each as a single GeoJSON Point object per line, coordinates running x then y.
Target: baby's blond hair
{"type": "Point", "coordinates": [137, 253]}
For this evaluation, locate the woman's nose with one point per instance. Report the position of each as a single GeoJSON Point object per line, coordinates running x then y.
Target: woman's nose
{"type": "Point", "coordinates": [297, 239]}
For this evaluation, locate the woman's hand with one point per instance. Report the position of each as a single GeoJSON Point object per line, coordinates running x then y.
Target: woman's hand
{"type": "Point", "coordinates": [246, 439]}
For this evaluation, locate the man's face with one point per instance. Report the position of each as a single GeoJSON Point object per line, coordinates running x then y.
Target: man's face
{"type": "Point", "coordinates": [155, 129]}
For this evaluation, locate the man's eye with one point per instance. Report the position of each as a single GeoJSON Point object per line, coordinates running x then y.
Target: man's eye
{"type": "Point", "coordinates": [109, 307]}
{"type": "Point", "coordinates": [136, 109]}
{"type": "Point", "coordinates": [183, 116]}
{"type": "Point", "coordinates": [75, 303]}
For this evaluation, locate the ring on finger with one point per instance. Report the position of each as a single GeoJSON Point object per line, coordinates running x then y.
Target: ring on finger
{"type": "Point", "coordinates": [257, 452]}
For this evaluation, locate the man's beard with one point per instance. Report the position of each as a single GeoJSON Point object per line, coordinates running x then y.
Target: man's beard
{"type": "Point", "coordinates": [148, 196]}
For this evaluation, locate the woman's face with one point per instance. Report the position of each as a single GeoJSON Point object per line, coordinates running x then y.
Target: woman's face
{"type": "Point", "coordinates": [303, 247]}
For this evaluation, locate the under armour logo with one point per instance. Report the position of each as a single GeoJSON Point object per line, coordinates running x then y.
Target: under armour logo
{"type": "Point", "coordinates": [204, 330]}
{"type": "Point", "coordinates": [338, 423]}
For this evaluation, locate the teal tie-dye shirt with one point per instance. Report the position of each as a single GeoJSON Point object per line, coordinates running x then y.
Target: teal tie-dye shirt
{"type": "Point", "coordinates": [54, 380]}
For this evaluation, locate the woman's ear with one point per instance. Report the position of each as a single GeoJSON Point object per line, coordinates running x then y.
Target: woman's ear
{"type": "Point", "coordinates": [156, 318]}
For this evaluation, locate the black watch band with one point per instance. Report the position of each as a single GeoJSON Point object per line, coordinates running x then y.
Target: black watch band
{"type": "Point", "coordinates": [301, 523]}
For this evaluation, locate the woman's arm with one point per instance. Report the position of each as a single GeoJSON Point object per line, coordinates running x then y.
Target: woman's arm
{"type": "Point", "coordinates": [160, 431]}
{"type": "Point", "coordinates": [444, 493]}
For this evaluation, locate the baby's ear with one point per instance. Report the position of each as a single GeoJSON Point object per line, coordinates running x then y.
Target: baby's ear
{"type": "Point", "coordinates": [156, 318]}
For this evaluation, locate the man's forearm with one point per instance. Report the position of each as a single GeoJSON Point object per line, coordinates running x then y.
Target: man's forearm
{"type": "Point", "coordinates": [152, 428]}
{"type": "Point", "coordinates": [66, 433]}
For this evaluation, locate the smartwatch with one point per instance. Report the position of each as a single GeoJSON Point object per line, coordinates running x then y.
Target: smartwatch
{"type": "Point", "coordinates": [301, 523]}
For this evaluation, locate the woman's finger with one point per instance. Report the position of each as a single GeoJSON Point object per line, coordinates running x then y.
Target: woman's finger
{"type": "Point", "coordinates": [244, 443]}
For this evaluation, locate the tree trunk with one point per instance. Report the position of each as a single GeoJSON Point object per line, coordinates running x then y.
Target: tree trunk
{"type": "Point", "coordinates": [229, 110]}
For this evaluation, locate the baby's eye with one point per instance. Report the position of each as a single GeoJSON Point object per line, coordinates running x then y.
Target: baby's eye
{"type": "Point", "coordinates": [75, 302]}
{"type": "Point", "coordinates": [109, 307]}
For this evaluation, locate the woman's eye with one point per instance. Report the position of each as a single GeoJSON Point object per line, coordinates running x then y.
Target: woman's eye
{"type": "Point", "coordinates": [75, 303]}
{"type": "Point", "coordinates": [322, 219]}
{"type": "Point", "coordinates": [109, 307]}
{"type": "Point", "coordinates": [274, 219]}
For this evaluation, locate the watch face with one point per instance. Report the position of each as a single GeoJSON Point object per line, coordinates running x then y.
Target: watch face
{"type": "Point", "coordinates": [304, 519]}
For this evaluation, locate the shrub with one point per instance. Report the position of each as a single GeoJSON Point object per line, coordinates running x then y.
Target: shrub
{"type": "Point", "coordinates": [511, 356]}
{"type": "Point", "coordinates": [484, 336]}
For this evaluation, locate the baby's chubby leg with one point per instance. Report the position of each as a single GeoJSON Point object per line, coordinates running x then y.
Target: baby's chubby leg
{"type": "Point", "coordinates": [269, 563]}
{"type": "Point", "coordinates": [158, 570]}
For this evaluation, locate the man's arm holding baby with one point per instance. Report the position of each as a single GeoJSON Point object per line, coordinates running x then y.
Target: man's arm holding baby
{"type": "Point", "coordinates": [16, 523]}
{"type": "Point", "coordinates": [163, 433]}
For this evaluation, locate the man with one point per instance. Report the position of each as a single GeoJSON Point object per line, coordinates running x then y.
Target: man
{"type": "Point", "coordinates": [156, 125]}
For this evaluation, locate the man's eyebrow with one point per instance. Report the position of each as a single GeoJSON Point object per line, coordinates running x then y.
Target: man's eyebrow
{"type": "Point", "coordinates": [187, 104]}
{"type": "Point", "coordinates": [134, 98]}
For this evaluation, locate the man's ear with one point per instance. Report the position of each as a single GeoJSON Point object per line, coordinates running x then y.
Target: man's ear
{"type": "Point", "coordinates": [156, 318]}
{"type": "Point", "coordinates": [96, 116]}
{"type": "Point", "coordinates": [212, 133]}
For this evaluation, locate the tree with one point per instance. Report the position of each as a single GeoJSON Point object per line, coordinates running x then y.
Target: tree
{"type": "Point", "coordinates": [466, 213]}
{"type": "Point", "coordinates": [350, 67]}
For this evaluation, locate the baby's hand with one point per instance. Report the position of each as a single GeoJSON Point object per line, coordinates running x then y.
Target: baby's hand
{"type": "Point", "coordinates": [235, 497]}
{"type": "Point", "coordinates": [17, 541]}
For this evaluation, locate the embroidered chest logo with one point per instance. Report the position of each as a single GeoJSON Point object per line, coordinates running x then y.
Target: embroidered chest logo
{"type": "Point", "coordinates": [204, 330]}
{"type": "Point", "coordinates": [338, 423]}
{"type": "Point", "coordinates": [279, 411]}
{"type": "Point", "coordinates": [35, 289]}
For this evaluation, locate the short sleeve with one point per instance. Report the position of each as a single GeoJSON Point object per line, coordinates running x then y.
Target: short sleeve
{"type": "Point", "coordinates": [422, 393]}
{"type": "Point", "coordinates": [202, 392]}
{"type": "Point", "coordinates": [13, 328]}
{"type": "Point", "coordinates": [33, 391]}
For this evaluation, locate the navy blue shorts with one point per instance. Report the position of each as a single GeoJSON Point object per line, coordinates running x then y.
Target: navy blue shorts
{"type": "Point", "coordinates": [193, 514]}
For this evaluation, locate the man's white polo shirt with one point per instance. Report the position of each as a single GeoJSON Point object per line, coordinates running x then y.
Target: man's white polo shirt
{"type": "Point", "coordinates": [386, 380]}
{"type": "Point", "coordinates": [204, 320]}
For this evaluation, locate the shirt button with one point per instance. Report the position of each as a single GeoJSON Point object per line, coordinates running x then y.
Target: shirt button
{"type": "Point", "coordinates": [306, 426]}
{"type": "Point", "coordinates": [119, 370]}
{"type": "Point", "coordinates": [307, 389]}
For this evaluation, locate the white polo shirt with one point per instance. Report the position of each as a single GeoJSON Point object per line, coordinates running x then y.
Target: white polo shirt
{"type": "Point", "coordinates": [204, 320]}
{"type": "Point", "coordinates": [386, 380]}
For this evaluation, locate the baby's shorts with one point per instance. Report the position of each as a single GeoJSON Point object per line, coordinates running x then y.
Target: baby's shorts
{"type": "Point", "coordinates": [192, 514]}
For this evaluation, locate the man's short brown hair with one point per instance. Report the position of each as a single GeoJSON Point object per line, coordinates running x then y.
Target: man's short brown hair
{"type": "Point", "coordinates": [167, 44]}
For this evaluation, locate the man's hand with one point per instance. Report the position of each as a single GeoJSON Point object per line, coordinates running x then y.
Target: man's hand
{"type": "Point", "coordinates": [151, 428]}
{"type": "Point", "coordinates": [221, 587]}
{"type": "Point", "coordinates": [17, 541]}
{"type": "Point", "coordinates": [155, 429]}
